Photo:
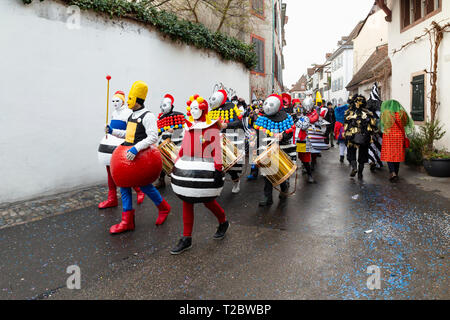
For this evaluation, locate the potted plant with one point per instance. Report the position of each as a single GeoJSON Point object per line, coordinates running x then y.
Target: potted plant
{"type": "Point", "coordinates": [435, 161]}
{"type": "Point", "coordinates": [414, 154]}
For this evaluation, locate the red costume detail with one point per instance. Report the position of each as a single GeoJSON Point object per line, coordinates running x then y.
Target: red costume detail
{"type": "Point", "coordinates": [163, 212]}
{"type": "Point", "coordinates": [286, 100]}
{"type": "Point", "coordinates": [304, 156]}
{"type": "Point", "coordinates": [140, 195]}
{"type": "Point", "coordinates": [170, 97]}
{"type": "Point", "coordinates": [188, 215]}
{"type": "Point", "coordinates": [338, 131]}
{"type": "Point", "coordinates": [144, 170]}
{"type": "Point", "coordinates": [112, 193]}
{"type": "Point", "coordinates": [127, 223]}
{"type": "Point", "coordinates": [393, 147]}
{"type": "Point", "coordinates": [211, 136]}
{"type": "Point", "coordinates": [171, 121]}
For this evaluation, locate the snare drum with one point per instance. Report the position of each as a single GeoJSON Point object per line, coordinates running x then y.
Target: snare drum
{"type": "Point", "coordinates": [230, 153]}
{"type": "Point", "coordinates": [169, 153]}
{"type": "Point", "coordinates": [275, 165]}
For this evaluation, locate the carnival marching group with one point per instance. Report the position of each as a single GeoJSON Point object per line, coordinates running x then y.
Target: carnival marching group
{"type": "Point", "coordinates": [218, 136]}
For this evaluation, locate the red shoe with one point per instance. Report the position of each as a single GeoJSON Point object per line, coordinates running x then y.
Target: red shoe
{"type": "Point", "coordinates": [140, 195]}
{"type": "Point", "coordinates": [127, 223]}
{"type": "Point", "coordinates": [110, 202]}
{"type": "Point", "coordinates": [164, 209]}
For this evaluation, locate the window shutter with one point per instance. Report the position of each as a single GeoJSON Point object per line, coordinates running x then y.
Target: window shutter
{"type": "Point", "coordinates": [259, 50]}
{"type": "Point", "coordinates": [258, 6]}
{"type": "Point", "coordinates": [418, 98]}
{"type": "Point", "coordinates": [406, 13]}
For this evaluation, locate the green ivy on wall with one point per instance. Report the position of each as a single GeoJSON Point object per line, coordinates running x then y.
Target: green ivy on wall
{"type": "Point", "coordinates": [190, 33]}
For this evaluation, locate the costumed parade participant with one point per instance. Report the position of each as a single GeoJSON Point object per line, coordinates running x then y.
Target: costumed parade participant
{"type": "Point", "coordinates": [296, 108]}
{"type": "Point", "coordinates": [170, 126]}
{"type": "Point", "coordinates": [374, 105]}
{"type": "Point", "coordinates": [137, 162]}
{"type": "Point", "coordinates": [197, 176]}
{"type": "Point", "coordinates": [307, 117]}
{"type": "Point", "coordinates": [279, 126]}
{"type": "Point", "coordinates": [253, 137]}
{"type": "Point", "coordinates": [359, 126]}
{"type": "Point", "coordinates": [287, 103]}
{"type": "Point", "coordinates": [395, 124]}
{"type": "Point", "coordinates": [109, 143]}
{"type": "Point", "coordinates": [339, 132]}
{"type": "Point", "coordinates": [231, 116]}
{"type": "Point", "coordinates": [316, 131]}
{"type": "Point", "coordinates": [331, 119]}
{"type": "Point", "coordinates": [322, 110]}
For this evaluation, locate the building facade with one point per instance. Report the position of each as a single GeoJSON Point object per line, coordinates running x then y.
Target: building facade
{"type": "Point", "coordinates": [260, 22]}
{"type": "Point", "coordinates": [371, 62]}
{"type": "Point", "coordinates": [298, 90]}
{"type": "Point", "coordinates": [268, 36]}
{"type": "Point", "coordinates": [411, 65]}
{"type": "Point", "coordinates": [341, 72]}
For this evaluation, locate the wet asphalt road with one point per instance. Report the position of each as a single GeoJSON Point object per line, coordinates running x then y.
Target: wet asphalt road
{"type": "Point", "coordinates": [313, 246]}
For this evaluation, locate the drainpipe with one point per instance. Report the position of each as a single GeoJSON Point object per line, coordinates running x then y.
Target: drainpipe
{"type": "Point", "coordinates": [386, 10]}
{"type": "Point", "coordinates": [273, 46]}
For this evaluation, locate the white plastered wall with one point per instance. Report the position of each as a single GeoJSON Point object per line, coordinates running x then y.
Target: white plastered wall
{"type": "Point", "coordinates": [53, 88]}
{"type": "Point", "coordinates": [416, 58]}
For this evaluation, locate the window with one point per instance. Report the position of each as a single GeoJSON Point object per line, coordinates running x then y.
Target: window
{"type": "Point", "coordinates": [278, 70]}
{"type": "Point", "coordinates": [337, 63]}
{"type": "Point", "coordinates": [416, 11]}
{"type": "Point", "coordinates": [259, 49]}
{"type": "Point", "coordinates": [258, 8]}
{"type": "Point", "coordinates": [418, 98]}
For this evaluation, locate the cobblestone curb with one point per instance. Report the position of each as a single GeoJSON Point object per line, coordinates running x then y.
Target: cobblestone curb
{"type": "Point", "coordinates": [25, 211]}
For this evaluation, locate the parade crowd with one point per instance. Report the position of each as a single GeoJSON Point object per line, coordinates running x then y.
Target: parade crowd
{"type": "Point", "coordinates": [221, 135]}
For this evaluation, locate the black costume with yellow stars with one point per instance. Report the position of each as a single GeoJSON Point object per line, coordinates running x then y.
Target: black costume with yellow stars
{"type": "Point", "coordinates": [360, 127]}
{"type": "Point", "coordinates": [360, 123]}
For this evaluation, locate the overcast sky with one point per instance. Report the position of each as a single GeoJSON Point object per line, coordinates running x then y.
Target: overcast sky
{"type": "Point", "coordinates": [314, 28]}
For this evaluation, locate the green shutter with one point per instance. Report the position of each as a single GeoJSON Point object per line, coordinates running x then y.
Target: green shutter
{"type": "Point", "coordinates": [418, 98]}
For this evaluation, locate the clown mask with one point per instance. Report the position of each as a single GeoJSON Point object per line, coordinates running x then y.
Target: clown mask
{"type": "Point", "coordinates": [308, 104]}
{"type": "Point", "coordinates": [117, 103]}
{"type": "Point", "coordinates": [271, 106]}
{"type": "Point", "coordinates": [166, 105]}
{"type": "Point", "coordinates": [195, 110]}
{"type": "Point", "coordinates": [217, 99]}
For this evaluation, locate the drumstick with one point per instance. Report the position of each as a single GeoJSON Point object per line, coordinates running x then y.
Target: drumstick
{"type": "Point", "coordinates": [108, 77]}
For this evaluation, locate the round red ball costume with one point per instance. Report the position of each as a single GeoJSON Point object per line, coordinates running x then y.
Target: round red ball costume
{"type": "Point", "coordinates": [142, 171]}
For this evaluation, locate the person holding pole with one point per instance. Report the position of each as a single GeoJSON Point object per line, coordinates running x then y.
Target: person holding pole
{"type": "Point", "coordinates": [109, 143]}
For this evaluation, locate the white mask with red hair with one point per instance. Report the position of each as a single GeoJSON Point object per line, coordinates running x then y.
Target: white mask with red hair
{"type": "Point", "coordinates": [166, 104]}
{"type": "Point", "coordinates": [272, 104]}
{"type": "Point", "coordinates": [218, 99]}
{"type": "Point", "coordinates": [198, 108]}
{"type": "Point", "coordinates": [118, 100]}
